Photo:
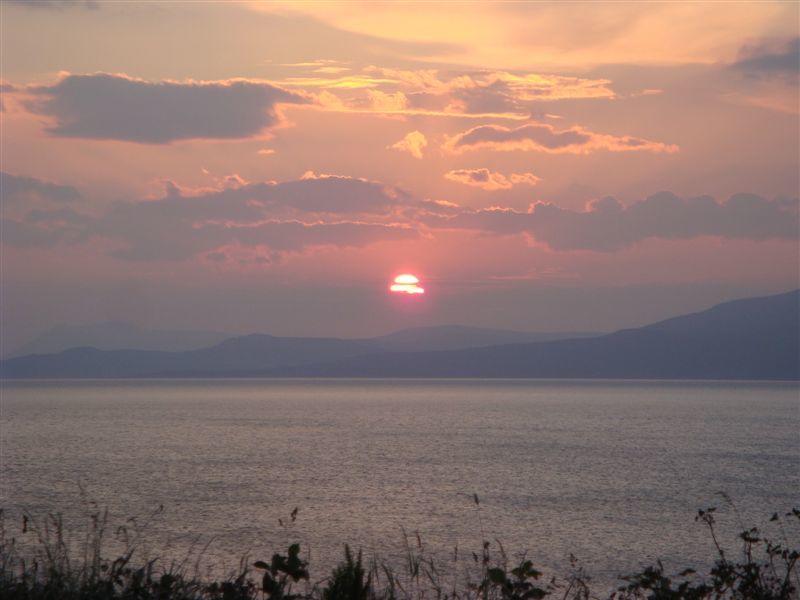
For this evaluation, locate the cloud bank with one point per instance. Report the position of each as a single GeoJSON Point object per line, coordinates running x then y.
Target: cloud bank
{"type": "Point", "coordinates": [607, 225]}
{"type": "Point", "coordinates": [268, 218]}
{"type": "Point", "coordinates": [103, 106]}
{"type": "Point", "coordinates": [279, 217]}
{"type": "Point", "coordinates": [20, 190]}
{"type": "Point", "coordinates": [432, 92]}
{"type": "Point", "coordinates": [771, 59]}
{"type": "Point", "coordinates": [55, 4]}
{"type": "Point", "coordinates": [541, 137]}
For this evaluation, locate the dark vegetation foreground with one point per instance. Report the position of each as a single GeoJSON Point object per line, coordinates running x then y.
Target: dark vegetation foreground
{"type": "Point", "coordinates": [50, 568]}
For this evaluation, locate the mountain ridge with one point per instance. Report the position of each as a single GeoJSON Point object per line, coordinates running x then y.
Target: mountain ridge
{"type": "Point", "coordinates": [767, 348]}
{"type": "Point", "coordinates": [116, 335]}
{"type": "Point", "coordinates": [752, 338]}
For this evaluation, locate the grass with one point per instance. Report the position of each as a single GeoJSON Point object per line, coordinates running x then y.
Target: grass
{"type": "Point", "coordinates": [38, 562]}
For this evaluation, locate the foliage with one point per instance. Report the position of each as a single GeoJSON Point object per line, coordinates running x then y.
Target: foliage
{"type": "Point", "coordinates": [765, 569]}
{"type": "Point", "coordinates": [349, 581]}
{"type": "Point", "coordinates": [772, 576]}
{"type": "Point", "coordinates": [281, 573]}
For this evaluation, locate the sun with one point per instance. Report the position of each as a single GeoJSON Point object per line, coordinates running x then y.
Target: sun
{"type": "Point", "coordinates": [406, 283]}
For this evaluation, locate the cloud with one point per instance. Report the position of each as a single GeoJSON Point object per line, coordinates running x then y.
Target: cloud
{"type": "Point", "coordinates": [553, 34]}
{"type": "Point", "coordinates": [768, 74]}
{"type": "Point", "coordinates": [217, 256]}
{"type": "Point", "coordinates": [436, 207]}
{"type": "Point", "coordinates": [19, 191]}
{"type": "Point", "coordinates": [348, 82]}
{"type": "Point", "coordinates": [472, 94]}
{"type": "Point", "coordinates": [281, 236]}
{"type": "Point", "coordinates": [500, 92]}
{"type": "Point", "coordinates": [105, 106]}
{"type": "Point", "coordinates": [55, 4]}
{"type": "Point", "coordinates": [319, 210]}
{"type": "Point", "coordinates": [541, 137]}
{"type": "Point", "coordinates": [44, 227]}
{"type": "Point", "coordinates": [524, 178]}
{"type": "Point", "coordinates": [490, 180]}
{"type": "Point", "coordinates": [495, 91]}
{"type": "Point", "coordinates": [770, 59]}
{"type": "Point", "coordinates": [329, 194]}
{"type": "Point", "coordinates": [320, 62]}
{"type": "Point", "coordinates": [386, 102]}
{"type": "Point", "coordinates": [607, 225]}
{"type": "Point", "coordinates": [5, 89]}
{"type": "Point", "coordinates": [24, 235]}
{"type": "Point", "coordinates": [413, 143]}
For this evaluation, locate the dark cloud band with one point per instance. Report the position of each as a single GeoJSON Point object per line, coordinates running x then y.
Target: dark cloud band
{"type": "Point", "coordinates": [116, 107]}
{"type": "Point", "coordinates": [284, 217]}
{"type": "Point", "coordinates": [607, 225]}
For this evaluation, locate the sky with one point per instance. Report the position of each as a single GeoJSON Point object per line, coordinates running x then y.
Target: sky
{"type": "Point", "coordinates": [271, 167]}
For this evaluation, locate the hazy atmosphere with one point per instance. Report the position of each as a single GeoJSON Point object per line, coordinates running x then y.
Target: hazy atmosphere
{"type": "Point", "coordinates": [399, 300]}
{"type": "Point", "coordinates": [270, 167]}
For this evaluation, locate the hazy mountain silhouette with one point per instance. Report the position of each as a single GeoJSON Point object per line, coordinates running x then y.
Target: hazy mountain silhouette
{"type": "Point", "coordinates": [112, 335]}
{"type": "Point", "coordinates": [456, 337]}
{"type": "Point", "coordinates": [125, 353]}
{"type": "Point", "coordinates": [755, 338]}
{"type": "Point", "coordinates": [243, 354]}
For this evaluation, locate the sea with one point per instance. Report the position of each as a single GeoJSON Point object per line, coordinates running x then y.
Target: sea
{"type": "Point", "coordinates": [610, 472]}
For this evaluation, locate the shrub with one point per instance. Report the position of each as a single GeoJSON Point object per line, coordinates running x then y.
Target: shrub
{"type": "Point", "coordinates": [52, 569]}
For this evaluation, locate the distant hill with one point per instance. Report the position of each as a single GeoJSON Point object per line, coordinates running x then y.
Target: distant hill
{"type": "Point", "coordinates": [456, 337]}
{"type": "Point", "coordinates": [120, 350]}
{"type": "Point", "coordinates": [114, 335]}
{"type": "Point", "coordinates": [236, 356]}
{"type": "Point", "coordinates": [755, 338]}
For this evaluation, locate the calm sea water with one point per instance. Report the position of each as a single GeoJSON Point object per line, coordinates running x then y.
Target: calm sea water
{"type": "Point", "coordinates": [612, 472]}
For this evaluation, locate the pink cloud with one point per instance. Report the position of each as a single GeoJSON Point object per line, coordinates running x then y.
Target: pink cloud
{"type": "Point", "coordinates": [413, 143]}
{"type": "Point", "coordinates": [542, 137]}
{"type": "Point", "coordinates": [491, 180]}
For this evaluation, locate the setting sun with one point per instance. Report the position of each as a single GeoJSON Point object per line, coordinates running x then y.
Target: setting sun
{"type": "Point", "coordinates": [406, 284]}
{"type": "Point", "coordinates": [421, 264]}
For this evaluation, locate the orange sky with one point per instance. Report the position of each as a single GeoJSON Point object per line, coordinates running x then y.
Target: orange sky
{"type": "Point", "coordinates": [271, 166]}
